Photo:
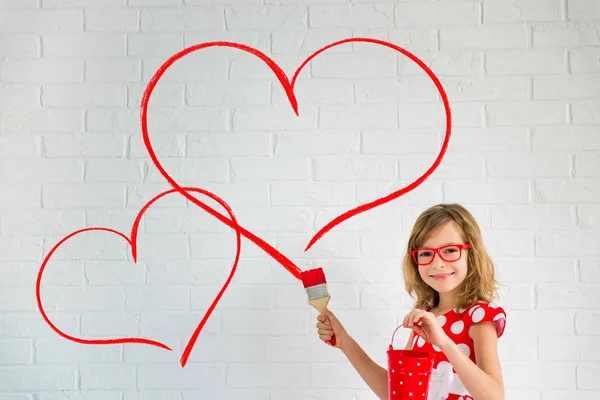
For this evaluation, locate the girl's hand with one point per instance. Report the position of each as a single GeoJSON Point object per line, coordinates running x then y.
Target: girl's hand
{"type": "Point", "coordinates": [426, 325]}
{"type": "Point", "coordinates": [328, 325]}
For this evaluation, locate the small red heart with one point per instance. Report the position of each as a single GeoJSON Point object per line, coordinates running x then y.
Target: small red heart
{"type": "Point", "coordinates": [288, 86]}
{"type": "Point", "coordinates": [132, 241]}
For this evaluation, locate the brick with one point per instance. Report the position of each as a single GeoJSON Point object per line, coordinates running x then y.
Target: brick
{"type": "Point", "coordinates": [587, 376]}
{"type": "Point", "coordinates": [552, 87]}
{"type": "Point", "coordinates": [352, 169]}
{"type": "Point", "coordinates": [84, 95]}
{"type": "Point", "coordinates": [582, 10]}
{"type": "Point", "coordinates": [53, 350]}
{"type": "Point", "coordinates": [515, 11]}
{"type": "Point", "coordinates": [566, 34]}
{"type": "Point", "coordinates": [19, 95]}
{"type": "Point", "coordinates": [185, 71]}
{"type": "Point", "coordinates": [587, 322]}
{"type": "Point", "coordinates": [166, 95]}
{"type": "Point", "coordinates": [549, 190]}
{"type": "Point", "coordinates": [452, 13]}
{"type": "Point", "coordinates": [108, 376]}
{"type": "Point", "coordinates": [228, 94]}
{"type": "Point", "coordinates": [534, 269]}
{"type": "Point", "coordinates": [40, 20]}
{"type": "Point", "coordinates": [330, 142]}
{"type": "Point", "coordinates": [84, 3]}
{"type": "Point", "coordinates": [351, 16]}
{"type": "Point", "coordinates": [430, 191]}
{"type": "Point", "coordinates": [271, 375]}
{"type": "Point", "coordinates": [580, 242]}
{"type": "Point", "coordinates": [164, 145]}
{"type": "Point", "coordinates": [317, 92]}
{"type": "Point", "coordinates": [569, 348]}
{"type": "Point", "coordinates": [549, 375]}
{"type": "Point", "coordinates": [334, 244]}
{"type": "Point", "coordinates": [407, 90]}
{"type": "Point", "coordinates": [587, 165]}
{"type": "Point", "coordinates": [42, 71]}
{"type": "Point", "coordinates": [567, 296]}
{"type": "Point", "coordinates": [265, 17]}
{"type": "Point", "coordinates": [486, 88]}
{"type": "Point", "coordinates": [20, 196]}
{"type": "Point", "coordinates": [113, 120]}
{"type": "Point", "coordinates": [585, 112]}
{"type": "Point", "coordinates": [38, 378]}
{"type": "Point", "coordinates": [564, 139]}
{"type": "Point", "coordinates": [20, 248]}
{"type": "Point", "coordinates": [83, 145]}
{"type": "Point", "coordinates": [494, 140]}
{"type": "Point", "coordinates": [360, 116]}
{"type": "Point", "coordinates": [112, 20]}
{"type": "Point", "coordinates": [107, 170]}
{"type": "Point", "coordinates": [66, 195]}
{"type": "Point", "coordinates": [184, 19]}
{"type": "Point", "coordinates": [258, 322]}
{"type": "Point", "coordinates": [533, 216]}
{"type": "Point", "coordinates": [84, 45]}
{"type": "Point", "coordinates": [311, 194]}
{"type": "Point", "coordinates": [584, 60]}
{"type": "Point", "coordinates": [444, 63]}
{"type": "Point", "coordinates": [16, 146]}
{"type": "Point", "coordinates": [19, 45]}
{"type": "Point", "coordinates": [486, 192]}
{"type": "Point", "coordinates": [270, 169]}
{"type": "Point", "coordinates": [41, 222]}
{"type": "Point", "coordinates": [191, 171]}
{"type": "Point", "coordinates": [164, 298]}
{"type": "Point", "coordinates": [519, 113]}
{"type": "Point", "coordinates": [302, 42]}
{"type": "Point", "coordinates": [542, 322]}
{"type": "Point", "coordinates": [273, 118]}
{"type": "Point", "coordinates": [518, 62]}
{"type": "Point", "coordinates": [483, 37]}
{"type": "Point", "coordinates": [113, 70]}
{"type": "Point", "coordinates": [433, 115]}
{"type": "Point", "coordinates": [244, 298]}
{"type": "Point", "coordinates": [18, 351]}
{"type": "Point", "coordinates": [527, 165]}
{"type": "Point", "coordinates": [154, 45]}
{"type": "Point", "coordinates": [588, 216]}
{"type": "Point", "coordinates": [354, 66]}
{"type": "Point", "coordinates": [222, 144]}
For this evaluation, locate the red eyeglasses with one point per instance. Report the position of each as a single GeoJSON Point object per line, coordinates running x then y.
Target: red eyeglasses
{"type": "Point", "coordinates": [448, 253]}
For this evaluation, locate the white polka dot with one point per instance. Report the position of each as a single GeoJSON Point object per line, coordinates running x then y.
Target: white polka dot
{"type": "Point", "coordinates": [421, 342]}
{"type": "Point", "coordinates": [472, 309]}
{"type": "Point", "coordinates": [436, 348]}
{"type": "Point", "coordinates": [441, 320]}
{"type": "Point", "coordinates": [418, 364]}
{"type": "Point", "coordinates": [499, 316]}
{"type": "Point", "coordinates": [465, 349]}
{"type": "Point", "coordinates": [478, 314]}
{"type": "Point", "coordinates": [457, 327]}
{"type": "Point", "coordinates": [410, 394]}
{"type": "Point", "coordinates": [493, 304]}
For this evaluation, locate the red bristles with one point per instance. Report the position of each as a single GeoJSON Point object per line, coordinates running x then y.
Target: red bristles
{"type": "Point", "coordinates": [313, 277]}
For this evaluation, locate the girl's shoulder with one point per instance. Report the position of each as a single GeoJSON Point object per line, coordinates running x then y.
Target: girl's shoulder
{"type": "Point", "coordinates": [485, 312]}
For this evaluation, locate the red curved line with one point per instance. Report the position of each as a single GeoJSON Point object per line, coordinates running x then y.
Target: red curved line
{"type": "Point", "coordinates": [278, 256]}
{"type": "Point", "coordinates": [194, 337]}
{"type": "Point", "coordinates": [368, 206]}
{"type": "Point", "coordinates": [55, 328]}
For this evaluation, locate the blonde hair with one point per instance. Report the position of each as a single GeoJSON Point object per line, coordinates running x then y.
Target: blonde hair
{"type": "Point", "coordinates": [479, 284]}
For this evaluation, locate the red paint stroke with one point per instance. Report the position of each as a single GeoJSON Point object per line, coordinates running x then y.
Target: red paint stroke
{"type": "Point", "coordinates": [133, 244]}
{"type": "Point", "coordinates": [289, 90]}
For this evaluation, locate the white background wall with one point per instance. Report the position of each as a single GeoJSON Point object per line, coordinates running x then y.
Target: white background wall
{"type": "Point", "coordinates": [523, 78]}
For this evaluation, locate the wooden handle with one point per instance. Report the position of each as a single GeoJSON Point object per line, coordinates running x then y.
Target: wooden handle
{"type": "Point", "coordinates": [321, 305]}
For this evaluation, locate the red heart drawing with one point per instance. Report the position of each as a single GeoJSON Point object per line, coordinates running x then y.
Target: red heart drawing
{"type": "Point", "coordinates": [288, 86]}
{"type": "Point", "coordinates": [132, 241]}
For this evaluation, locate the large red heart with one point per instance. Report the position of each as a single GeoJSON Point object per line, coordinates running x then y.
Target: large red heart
{"type": "Point", "coordinates": [288, 86]}
{"type": "Point", "coordinates": [132, 241]}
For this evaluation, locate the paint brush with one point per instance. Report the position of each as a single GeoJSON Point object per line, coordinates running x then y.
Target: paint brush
{"type": "Point", "coordinates": [316, 288]}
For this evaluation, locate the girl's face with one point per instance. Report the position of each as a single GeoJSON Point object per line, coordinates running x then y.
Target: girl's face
{"type": "Point", "coordinates": [444, 276]}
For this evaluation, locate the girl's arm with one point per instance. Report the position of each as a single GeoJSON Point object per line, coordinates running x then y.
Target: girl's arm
{"type": "Point", "coordinates": [484, 379]}
{"type": "Point", "coordinates": [375, 376]}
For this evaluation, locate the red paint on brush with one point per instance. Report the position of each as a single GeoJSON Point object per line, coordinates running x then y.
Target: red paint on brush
{"type": "Point", "coordinates": [313, 277]}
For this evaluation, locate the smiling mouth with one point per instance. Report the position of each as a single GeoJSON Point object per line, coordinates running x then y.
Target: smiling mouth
{"type": "Point", "coordinates": [441, 276]}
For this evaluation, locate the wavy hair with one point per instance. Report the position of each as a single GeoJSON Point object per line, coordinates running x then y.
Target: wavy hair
{"type": "Point", "coordinates": [479, 284]}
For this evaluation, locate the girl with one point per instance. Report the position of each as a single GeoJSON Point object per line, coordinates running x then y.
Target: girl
{"type": "Point", "coordinates": [447, 269]}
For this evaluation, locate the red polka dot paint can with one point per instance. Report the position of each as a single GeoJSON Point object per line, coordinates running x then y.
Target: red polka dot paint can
{"type": "Point", "coordinates": [409, 373]}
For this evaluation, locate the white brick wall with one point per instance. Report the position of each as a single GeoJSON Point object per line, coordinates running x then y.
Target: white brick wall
{"type": "Point", "coordinates": [523, 79]}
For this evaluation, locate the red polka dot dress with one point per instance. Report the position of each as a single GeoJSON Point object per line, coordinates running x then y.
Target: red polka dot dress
{"type": "Point", "coordinates": [445, 383]}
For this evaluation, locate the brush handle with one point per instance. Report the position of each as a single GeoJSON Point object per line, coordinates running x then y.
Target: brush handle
{"type": "Point", "coordinates": [321, 305]}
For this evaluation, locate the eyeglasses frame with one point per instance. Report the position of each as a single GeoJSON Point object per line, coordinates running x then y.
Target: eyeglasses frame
{"type": "Point", "coordinates": [437, 251]}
